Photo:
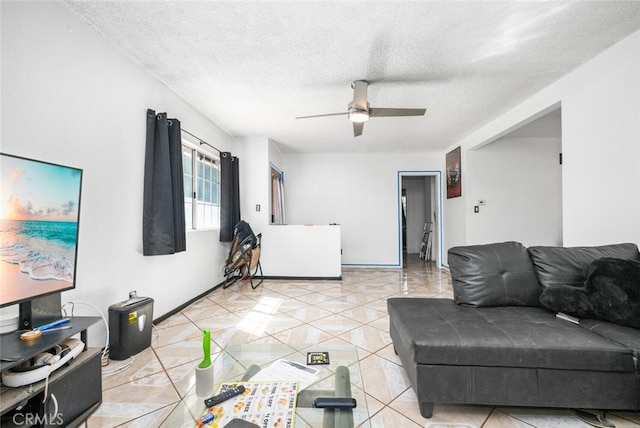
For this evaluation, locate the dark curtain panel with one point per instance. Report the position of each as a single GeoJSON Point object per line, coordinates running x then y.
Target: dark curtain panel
{"type": "Point", "coordinates": [163, 229]}
{"type": "Point", "coordinates": [229, 195]}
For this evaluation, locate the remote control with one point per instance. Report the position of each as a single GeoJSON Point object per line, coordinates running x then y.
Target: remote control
{"type": "Point", "coordinates": [334, 403]}
{"type": "Point", "coordinates": [224, 396]}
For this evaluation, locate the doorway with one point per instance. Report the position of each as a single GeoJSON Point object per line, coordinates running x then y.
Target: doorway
{"type": "Point", "coordinates": [420, 208]}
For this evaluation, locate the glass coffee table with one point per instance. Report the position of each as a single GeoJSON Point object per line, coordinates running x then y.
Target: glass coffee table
{"type": "Point", "coordinates": [239, 362]}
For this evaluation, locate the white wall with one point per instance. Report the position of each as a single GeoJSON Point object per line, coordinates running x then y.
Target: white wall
{"type": "Point", "coordinates": [600, 133]}
{"type": "Point", "coordinates": [255, 178]}
{"type": "Point", "coordinates": [69, 97]}
{"type": "Point", "coordinates": [357, 191]}
{"type": "Point", "coordinates": [287, 250]}
{"type": "Point", "coordinates": [530, 210]}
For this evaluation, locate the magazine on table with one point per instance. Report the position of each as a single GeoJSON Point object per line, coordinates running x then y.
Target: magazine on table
{"type": "Point", "coordinates": [266, 404]}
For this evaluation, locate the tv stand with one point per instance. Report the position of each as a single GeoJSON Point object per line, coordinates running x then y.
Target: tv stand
{"type": "Point", "coordinates": [77, 387]}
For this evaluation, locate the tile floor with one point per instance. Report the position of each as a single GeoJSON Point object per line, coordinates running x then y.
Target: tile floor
{"type": "Point", "coordinates": [349, 311]}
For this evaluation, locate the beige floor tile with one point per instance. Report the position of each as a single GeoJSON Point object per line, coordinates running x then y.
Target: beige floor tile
{"type": "Point", "coordinates": [389, 418]}
{"type": "Point", "coordinates": [336, 292]}
{"type": "Point", "coordinates": [337, 341]}
{"type": "Point", "coordinates": [382, 323]}
{"type": "Point", "coordinates": [335, 324]}
{"type": "Point", "coordinates": [282, 322]}
{"type": "Point", "coordinates": [363, 314]}
{"type": "Point", "coordinates": [302, 334]}
{"type": "Point", "coordinates": [545, 418]}
{"type": "Point", "coordinates": [234, 301]}
{"type": "Point", "coordinates": [175, 319]}
{"type": "Point", "coordinates": [390, 354]}
{"type": "Point", "coordinates": [357, 286]}
{"type": "Point", "coordinates": [165, 335]}
{"type": "Point", "coordinates": [624, 420]}
{"type": "Point", "coordinates": [133, 400]}
{"type": "Point", "coordinates": [289, 304]}
{"type": "Point", "coordinates": [183, 377]}
{"type": "Point", "coordinates": [317, 299]}
{"type": "Point", "coordinates": [201, 303]}
{"type": "Point", "coordinates": [407, 405]}
{"type": "Point", "coordinates": [383, 379]}
{"type": "Point", "coordinates": [219, 323]}
{"type": "Point", "coordinates": [338, 306]}
{"type": "Point", "coordinates": [498, 419]}
{"type": "Point", "coordinates": [362, 353]}
{"type": "Point", "coordinates": [317, 286]}
{"type": "Point", "coordinates": [271, 304]}
{"type": "Point", "coordinates": [240, 334]}
{"type": "Point", "coordinates": [367, 337]}
{"type": "Point", "coordinates": [152, 419]}
{"type": "Point", "coordinates": [205, 311]}
{"type": "Point", "coordinates": [373, 405]}
{"type": "Point", "coordinates": [141, 365]}
{"type": "Point", "coordinates": [379, 305]}
{"type": "Point", "coordinates": [310, 313]}
{"type": "Point", "coordinates": [632, 417]}
{"type": "Point", "coordinates": [289, 289]}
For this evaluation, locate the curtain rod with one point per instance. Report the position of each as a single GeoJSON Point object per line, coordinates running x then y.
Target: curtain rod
{"type": "Point", "coordinates": [201, 140]}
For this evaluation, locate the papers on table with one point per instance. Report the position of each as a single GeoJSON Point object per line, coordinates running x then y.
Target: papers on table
{"type": "Point", "coordinates": [284, 370]}
{"type": "Point", "coordinates": [264, 404]}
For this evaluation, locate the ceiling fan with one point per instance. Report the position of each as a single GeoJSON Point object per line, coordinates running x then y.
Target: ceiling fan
{"type": "Point", "coordinates": [359, 111]}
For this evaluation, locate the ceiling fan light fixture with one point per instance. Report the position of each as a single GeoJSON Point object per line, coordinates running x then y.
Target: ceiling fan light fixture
{"type": "Point", "coordinates": [359, 110]}
{"type": "Point", "coordinates": [357, 115]}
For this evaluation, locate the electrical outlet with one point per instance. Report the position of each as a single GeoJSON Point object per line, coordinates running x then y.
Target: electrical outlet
{"type": "Point", "coordinates": [257, 207]}
{"type": "Point", "coordinates": [476, 209]}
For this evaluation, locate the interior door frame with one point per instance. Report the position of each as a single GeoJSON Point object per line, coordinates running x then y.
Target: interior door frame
{"type": "Point", "coordinates": [438, 240]}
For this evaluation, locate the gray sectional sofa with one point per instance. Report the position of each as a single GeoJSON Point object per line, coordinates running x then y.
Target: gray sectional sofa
{"type": "Point", "coordinates": [494, 344]}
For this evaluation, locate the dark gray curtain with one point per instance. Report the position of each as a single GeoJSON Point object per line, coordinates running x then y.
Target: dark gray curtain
{"type": "Point", "coordinates": [229, 195]}
{"type": "Point", "coordinates": [163, 229]}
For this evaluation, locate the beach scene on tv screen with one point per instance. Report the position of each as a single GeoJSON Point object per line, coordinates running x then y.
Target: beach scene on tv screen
{"type": "Point", "coordinates": [38, 227]}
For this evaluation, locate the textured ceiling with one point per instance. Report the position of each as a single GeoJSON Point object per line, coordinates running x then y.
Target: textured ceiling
{"type": "Point", "coordinates": [251, 67]}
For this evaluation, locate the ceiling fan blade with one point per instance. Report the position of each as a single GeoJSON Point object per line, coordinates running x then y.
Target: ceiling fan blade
{"type": "Point", "coordinates": [360, 94]}
{"type": "Point", "coordinates": [323, 115]}
{"type": "Point", "coordinates": [389, 112]}
{"type": "Point", "coordinates": [357, 128]}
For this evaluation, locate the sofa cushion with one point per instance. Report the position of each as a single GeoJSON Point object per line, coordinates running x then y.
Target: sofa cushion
{"type": "Point", "coordinates": [625, 336]}
{"type": "Point", "coordinates": [610, 293]}
{"type": "Point", "coordinates": [498, 274]}
{"type": "Point", "coordinates": [439, 332]}
{"type": "Point", "coordinates": [569, 265]}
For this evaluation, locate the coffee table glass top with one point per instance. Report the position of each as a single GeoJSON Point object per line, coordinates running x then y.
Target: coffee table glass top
{"type": "Point", "coordinates": [233, 363]}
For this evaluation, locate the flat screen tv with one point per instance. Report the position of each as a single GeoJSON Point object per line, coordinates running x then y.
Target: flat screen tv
{"type": "Point", "coordinates": [39, 219]}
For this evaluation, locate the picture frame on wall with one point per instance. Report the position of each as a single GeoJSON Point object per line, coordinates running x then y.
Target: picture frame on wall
{"type": "Point", "coordinates": [454, 173]}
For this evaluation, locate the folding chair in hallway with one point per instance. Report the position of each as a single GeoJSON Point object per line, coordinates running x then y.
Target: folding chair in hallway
{"type": "Point", "coordinates": [244, 257]}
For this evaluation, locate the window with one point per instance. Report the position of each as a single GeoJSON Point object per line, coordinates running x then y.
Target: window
{"type": "Point", "coordinates": [201, 189]}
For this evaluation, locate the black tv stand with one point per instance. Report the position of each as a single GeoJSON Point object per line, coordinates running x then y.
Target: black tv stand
{"type": "Point", "coordinates": [77, 386]}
